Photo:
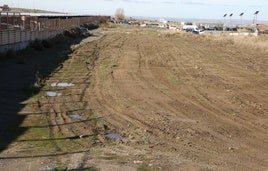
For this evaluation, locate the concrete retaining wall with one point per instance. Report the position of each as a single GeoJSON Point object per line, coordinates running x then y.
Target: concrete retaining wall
{"type": "Point", "coordinates": [14, 47]}
{"type": "Point", "coordinates": [18, 40]}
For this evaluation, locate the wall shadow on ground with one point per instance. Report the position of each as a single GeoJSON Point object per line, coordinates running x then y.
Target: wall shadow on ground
{"type": "Point", "coordinates": [18, 75]}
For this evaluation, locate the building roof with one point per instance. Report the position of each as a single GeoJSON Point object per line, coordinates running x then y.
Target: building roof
{"type": "Point", "coordinates": [43, 15]}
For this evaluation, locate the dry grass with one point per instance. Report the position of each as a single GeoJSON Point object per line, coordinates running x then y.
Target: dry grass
{"type": "Point", "coordinates": [259, 43]}
{"type": "Point", "coordinates": [169, 33]}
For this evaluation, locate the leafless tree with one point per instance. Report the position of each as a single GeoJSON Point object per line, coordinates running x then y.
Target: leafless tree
{"type": "Point", "coordinates": [119, 14]}
{"type": "Point", "coordinates": [5, 7]}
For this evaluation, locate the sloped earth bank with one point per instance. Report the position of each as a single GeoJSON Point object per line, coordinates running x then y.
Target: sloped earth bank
{"type": "Point", "coordinates": [179, 102]}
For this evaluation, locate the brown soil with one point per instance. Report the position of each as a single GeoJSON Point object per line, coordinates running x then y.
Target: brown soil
{"type": "Point", "coordinates": [180, 102]}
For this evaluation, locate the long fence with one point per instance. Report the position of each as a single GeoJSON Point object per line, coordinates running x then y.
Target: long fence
{"type": "Point", "coordinates": [17, 40]}
{"type": "Point", "coordinates": [42, 28]}
{"type": "Point", "coordinates": [8, 37]}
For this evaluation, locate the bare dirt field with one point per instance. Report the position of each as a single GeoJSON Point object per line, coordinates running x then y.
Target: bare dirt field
{"type": "Point", "coordinates": [174, 101]}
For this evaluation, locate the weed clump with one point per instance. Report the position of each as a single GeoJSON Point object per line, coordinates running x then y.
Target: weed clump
{"type": "Point", "coordinates": [37, 45]}
{"type": "Point", "coordinates": [58, 38]}
{"type": "Point", "coordinates": [47, 43]}
{"type": "Point", "coordinates": [91, 26]}
{"type": "Point", "coordinates": [73, 33]}
{"type": "Point", "coordinates": [8, 54]}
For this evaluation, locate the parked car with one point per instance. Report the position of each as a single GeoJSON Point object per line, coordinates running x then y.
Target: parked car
{"type": "Point", "coordinates": [198, 31]}
{"type": "Point", "coordinates": [189, 30]}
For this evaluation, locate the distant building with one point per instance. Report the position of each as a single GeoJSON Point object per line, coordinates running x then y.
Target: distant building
{"type": "Point", "coordinates": [189, 26]}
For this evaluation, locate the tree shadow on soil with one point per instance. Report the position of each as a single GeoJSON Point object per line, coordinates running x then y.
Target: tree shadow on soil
{"type": "Point", "coordinates": [19, 74]}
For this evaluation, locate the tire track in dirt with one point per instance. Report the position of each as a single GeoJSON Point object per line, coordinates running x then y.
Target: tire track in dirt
{"type": "Point", "coordinates": [216, 106]}
{"type": "Point", "coordinates": [139, 94]}
{"type": "Point", "coordinates": [79, 128]}
{"type": "Point", "coordinates": [171, 96]}
{"type": "Point", "coordinates": [117, 43]}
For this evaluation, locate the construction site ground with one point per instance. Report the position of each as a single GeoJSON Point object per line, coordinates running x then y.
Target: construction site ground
{"type": "Point", "coordinates": [138, 99]}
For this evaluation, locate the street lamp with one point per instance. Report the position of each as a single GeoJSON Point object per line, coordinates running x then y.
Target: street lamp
{"type": "Point", "coordinates": [256, 13]}
{"type": "Point", "coordinates": [241, 15]}
{"type": "Point", "coordinates": [224, 24]}
{"type": "Point", "coordinates": [231, 19]}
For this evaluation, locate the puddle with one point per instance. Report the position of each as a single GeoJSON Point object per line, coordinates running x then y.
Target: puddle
{"type": "Point", "coordinates": [64, 84]}
{"type": "Point", "coordinates": [57, 121]}
{"type": "Point", "coordinates": [76, 116]}
{"type": "Point", "coordinates": [114, 136]}
{"type": "Point", "coordinates": [53, 94]}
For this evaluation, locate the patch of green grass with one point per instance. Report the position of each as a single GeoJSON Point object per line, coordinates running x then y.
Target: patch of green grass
{"type": "Point", "coordinates": [78, 66]}
{"type": "Point", "coordinates": [58, 136]}
{"type": "Point", "coordinates": [59, 59]}
{"type": "Point", "coordinates": [95, 120]}
{"type": "Point", "coordinates": [34, 98]}
{"type": "Point", "coordinates": [8, 54]}
{"type": "Point", "coordinates": [40, 132]}
{"type": "Point", "coordinates": [60, 166]}
{"type": "Point", "coordinates": [37, 45]}
{"type": "Point", "coordinates": [31, 91]}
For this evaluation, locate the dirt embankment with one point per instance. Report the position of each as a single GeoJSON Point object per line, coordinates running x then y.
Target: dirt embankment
{"type": "Point", "coordinates": [180, 102]}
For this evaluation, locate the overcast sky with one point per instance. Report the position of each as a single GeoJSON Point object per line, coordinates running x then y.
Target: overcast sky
{"type": "Point", "coordinates": [200, 9]}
